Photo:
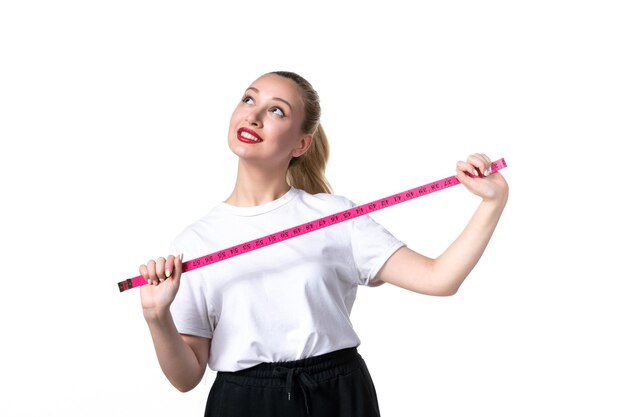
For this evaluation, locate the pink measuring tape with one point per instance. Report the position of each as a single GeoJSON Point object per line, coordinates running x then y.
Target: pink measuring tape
{"type": "Point", "coordinates": [311, 226]}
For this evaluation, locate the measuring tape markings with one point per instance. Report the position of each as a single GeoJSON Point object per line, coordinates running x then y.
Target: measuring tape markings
{"type": "Point", "coordinates": [311, 226]}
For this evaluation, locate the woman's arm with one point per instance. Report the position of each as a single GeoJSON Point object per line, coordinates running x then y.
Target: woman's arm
{"type": "Point", "coordinates": [445, 274]}
{"type": "Point", "coordinates": [183, 358]}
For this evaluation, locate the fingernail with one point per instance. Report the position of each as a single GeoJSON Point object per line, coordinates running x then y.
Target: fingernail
{"type": "Point", "coordinates": [487, 172]}
{"type": "Point", "coordinates": [161, 280]}
{"type": "Point", "coordinates": [475, 172]}
{"type": "Point", "coordinates": [167, 273]}
{"type": "Point", "coordinates": [181, 257]}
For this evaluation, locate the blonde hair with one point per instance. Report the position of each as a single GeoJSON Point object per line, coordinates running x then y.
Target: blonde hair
{"type": "Point", "coordinates": [307, 172]}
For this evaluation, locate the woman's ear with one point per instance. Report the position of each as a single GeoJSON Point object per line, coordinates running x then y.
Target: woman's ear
{"type": "Point", "coordinates": [303, 144]}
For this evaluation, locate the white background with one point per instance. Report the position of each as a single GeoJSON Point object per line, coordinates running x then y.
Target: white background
{"type": "Point", "coordinates": [113, 118]}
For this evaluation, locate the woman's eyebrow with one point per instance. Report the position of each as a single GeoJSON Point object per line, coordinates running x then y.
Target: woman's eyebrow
{"type": "Point", "coordinates": [273, 98]}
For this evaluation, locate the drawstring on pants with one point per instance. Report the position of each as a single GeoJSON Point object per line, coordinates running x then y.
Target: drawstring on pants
{"type": "Point", "coordinates": [302, 379]}
{"type": "Point", "coordinates": [271, 382]}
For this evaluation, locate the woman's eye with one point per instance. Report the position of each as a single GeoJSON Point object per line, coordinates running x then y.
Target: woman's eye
{"type": "Point", "coordinates": [277, 111]}
{"type": "Point", "coordinates": [247, 100]}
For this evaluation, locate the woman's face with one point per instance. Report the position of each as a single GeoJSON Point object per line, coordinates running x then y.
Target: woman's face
{"type": "Point", "coordinates": [265, 126]}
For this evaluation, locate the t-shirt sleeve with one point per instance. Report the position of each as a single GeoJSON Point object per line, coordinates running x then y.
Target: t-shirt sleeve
{"type": "Point", "coordinates": [372, 245]}
{"type": "Point", "coordinates": [191, 311]}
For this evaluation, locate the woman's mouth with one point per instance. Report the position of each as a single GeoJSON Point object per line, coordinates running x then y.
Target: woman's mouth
{"type": "Point", "coordinates": [248, 136]}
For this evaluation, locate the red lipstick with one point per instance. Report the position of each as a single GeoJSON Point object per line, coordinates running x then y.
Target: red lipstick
{"type": "Point", "coordinates": [248, 136]}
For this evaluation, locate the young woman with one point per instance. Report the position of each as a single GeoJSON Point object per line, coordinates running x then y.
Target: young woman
{"type": "Point", "coordinates": [275, 322]}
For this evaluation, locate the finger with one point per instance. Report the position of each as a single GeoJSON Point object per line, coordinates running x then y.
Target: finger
{"type": "Point", "coordinates": [487, 169]}
{"type": "Point", "coordinates": [476, 160]}
{"type": "Point", "coordinates": [464, 177]}
{"type": "Point", "coordinates": [481, 163]}
{"type": "Point", "coordinates": [143, 271]}
{"type": "Point", "coordinates": [169, 266]}
{"type": "Point", "coordinates": [160, 269]}
{"type": "Point", "coordinates": [467, 167]}
{"type": "Point", "coordinates": [178, 267]}
{"type": "Point", "coordinates": [152, 277]}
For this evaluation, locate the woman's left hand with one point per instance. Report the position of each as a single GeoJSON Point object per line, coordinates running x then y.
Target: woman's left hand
{"type": "Point", "coordinates": [491, 187]}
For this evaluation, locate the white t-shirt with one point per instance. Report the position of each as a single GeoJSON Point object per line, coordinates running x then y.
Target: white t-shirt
{"type": "Point", "coordinates": [287, 301]}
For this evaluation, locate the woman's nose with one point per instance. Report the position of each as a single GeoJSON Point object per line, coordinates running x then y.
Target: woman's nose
{"type": "Point", "coordinates": [254, 118]}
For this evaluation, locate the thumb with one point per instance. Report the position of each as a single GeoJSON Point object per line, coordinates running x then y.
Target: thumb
{"type": "Point", "coordinates": [464, 177]}
{"type": "Point", "coordinates": [178, 267]}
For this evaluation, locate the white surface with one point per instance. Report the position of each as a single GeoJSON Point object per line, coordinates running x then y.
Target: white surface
{"type": "Point", "coordinates": [113, 123]}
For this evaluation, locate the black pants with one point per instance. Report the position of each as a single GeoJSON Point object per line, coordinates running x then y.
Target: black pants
{"type": "Point", "coordinates": [336, 384]}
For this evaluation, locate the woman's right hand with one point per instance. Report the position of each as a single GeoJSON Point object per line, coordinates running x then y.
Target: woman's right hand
{"type": "Point", "coordinates": [163, 281]}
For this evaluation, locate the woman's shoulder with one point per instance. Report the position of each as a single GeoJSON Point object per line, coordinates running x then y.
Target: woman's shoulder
{"type": "Point", "coordinates": [325, 199]}
{"type": "Point", "coordinates": [198, 227]}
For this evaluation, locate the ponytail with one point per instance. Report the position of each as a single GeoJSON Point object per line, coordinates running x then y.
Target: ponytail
{"type": "Point", "coordinates": [307, 172]}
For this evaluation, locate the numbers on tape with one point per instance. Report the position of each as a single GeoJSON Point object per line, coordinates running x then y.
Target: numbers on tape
{"type": "Point", "coordinates": [311, 226]}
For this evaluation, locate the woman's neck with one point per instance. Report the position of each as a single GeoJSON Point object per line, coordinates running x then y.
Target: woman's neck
{"type": "Point", "coordinates": [255, 186]}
